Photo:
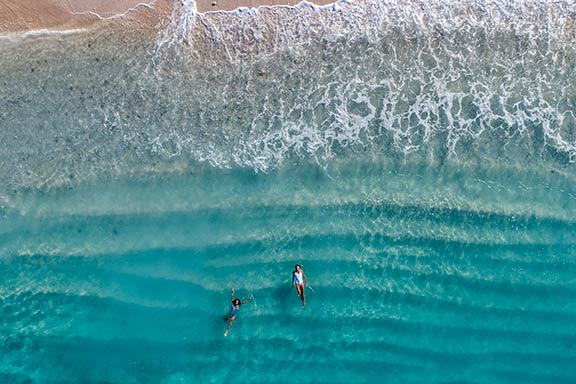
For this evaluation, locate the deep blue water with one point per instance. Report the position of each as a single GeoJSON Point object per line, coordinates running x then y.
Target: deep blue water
{"type": "Point", "coordinates": [416, 159]}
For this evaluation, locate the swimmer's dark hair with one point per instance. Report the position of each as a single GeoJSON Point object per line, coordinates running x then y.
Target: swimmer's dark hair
{"type": "Point", "coordinates": [237, 300]}
{"type": "Point", "coordinates": [297, 265]}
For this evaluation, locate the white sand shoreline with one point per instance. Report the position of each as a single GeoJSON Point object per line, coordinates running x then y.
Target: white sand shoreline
{"type": "Point", "coordinates": [25, 17]}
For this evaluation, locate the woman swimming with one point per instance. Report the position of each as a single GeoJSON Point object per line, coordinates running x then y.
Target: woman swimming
{"type": "Point", "coordinates": [231, 316]}
{"type": "Point", "coordinates": [299, 278]}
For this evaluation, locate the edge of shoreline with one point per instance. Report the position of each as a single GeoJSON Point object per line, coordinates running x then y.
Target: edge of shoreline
{"type": "Point", "coordinates": [56, 18]}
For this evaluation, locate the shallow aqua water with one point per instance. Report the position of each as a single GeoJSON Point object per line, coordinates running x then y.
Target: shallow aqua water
{"type": "Point", "coordinates": [128, 282]}
{"type": "Point", "coordinates": [416, 160]}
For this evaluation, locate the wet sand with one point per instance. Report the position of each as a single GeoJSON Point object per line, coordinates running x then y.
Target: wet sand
{"type": "Point", "coordinates": [229, 5]}
{"type": "Point", "coordinates": [28, 15]}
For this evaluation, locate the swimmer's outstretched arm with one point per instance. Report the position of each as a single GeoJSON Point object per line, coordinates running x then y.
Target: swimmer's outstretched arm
{"type": "Point", "coordinates": [232, 294]}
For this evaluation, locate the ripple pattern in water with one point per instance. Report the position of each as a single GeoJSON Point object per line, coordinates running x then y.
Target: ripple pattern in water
{"type": "Point", "coordinates": [416, 159]}
{"type": "Point", "coordinates": [406, 285]}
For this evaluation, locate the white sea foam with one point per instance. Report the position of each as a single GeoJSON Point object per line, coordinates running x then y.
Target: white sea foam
{"type": "Point", "coordinates": [182, 22]}
{"type": "Point", "coordinates": [114, 15]}
{"type": "Point", "coordinates": [467, 72]}
{"type": "Point", "coordinates": [466, 82]}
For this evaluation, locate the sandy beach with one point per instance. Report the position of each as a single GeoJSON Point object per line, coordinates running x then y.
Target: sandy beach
{"type": "Point", "coordinates": [27, 15]}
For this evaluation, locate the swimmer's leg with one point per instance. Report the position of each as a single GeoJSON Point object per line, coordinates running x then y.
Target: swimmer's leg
{"type": "Point", "coordinates": [300, 289]}
{"type": "Point", "coordinates": [230, 324]}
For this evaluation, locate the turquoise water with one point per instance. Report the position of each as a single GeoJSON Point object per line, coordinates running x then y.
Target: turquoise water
{"type": "Point", "coordinates": [416, 160]}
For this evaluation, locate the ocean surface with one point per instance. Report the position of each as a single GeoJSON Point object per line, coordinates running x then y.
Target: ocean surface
{"type": "Point", "coordinates": [417, 158]}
